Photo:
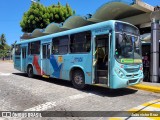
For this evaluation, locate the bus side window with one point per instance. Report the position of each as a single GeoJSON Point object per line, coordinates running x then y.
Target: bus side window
{"type": "Point", "coordinates": [60, 45]}
{"type": "Point", "coordinates": [34, 48]}
{"type": "Point", "coordinates": [63, 44]}
{"type": "Point", "coordinates": [88, 42]}
{"type": "Point", "coordinates": [55, 46]}
{"type": "Point", "coordinates": [29, 48]}
{"type": "Point", "coordinates": [80, 42]}
{"type": "Point", "coordinates": [17, 50]}
{"type": "Point", "coordinates": [72, 46]}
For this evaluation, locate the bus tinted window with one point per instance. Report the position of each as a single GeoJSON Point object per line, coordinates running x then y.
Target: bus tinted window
{"type": "Point", "coordinates": [80, 42]}
{"type": "Point", "coordinates": [17, 50]}
{"type": "Point", "coordinates": [60, 45]}
{"type": "Point", "coordinates": [34, 48]}
{"type": "Point", "coordinates": [126, 28]}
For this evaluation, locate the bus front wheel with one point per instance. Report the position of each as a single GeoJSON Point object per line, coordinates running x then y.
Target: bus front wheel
{"type": "Point", "coordinates": [30, 71]}
{"type": "Point", "coordinates": [78, 79]}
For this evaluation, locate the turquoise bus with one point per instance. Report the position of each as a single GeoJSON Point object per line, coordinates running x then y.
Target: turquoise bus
{"type": "Point", "coordinates": [106, 53]}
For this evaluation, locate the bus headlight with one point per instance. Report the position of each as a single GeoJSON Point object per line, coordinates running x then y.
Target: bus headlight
{"type": "Point", "coordinates": [119, 73]}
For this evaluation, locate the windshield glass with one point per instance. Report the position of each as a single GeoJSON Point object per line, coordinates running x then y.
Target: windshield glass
{"type": "Point", "coordinates": [128, 48]}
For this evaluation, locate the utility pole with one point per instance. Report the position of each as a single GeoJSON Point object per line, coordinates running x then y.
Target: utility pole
{"type": "Point", "coordinates": [155, 37]}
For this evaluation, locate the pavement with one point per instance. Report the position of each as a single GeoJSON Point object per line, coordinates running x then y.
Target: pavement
{"type": "Point", "coordinates": [20, 93]}
{"type": "Point", "coordinates": [148, 86]}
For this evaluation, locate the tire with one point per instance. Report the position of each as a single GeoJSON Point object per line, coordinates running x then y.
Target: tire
{"type": "Point", "coordinates": [78, 79]}
{"type": "Point", "coordinates": [30, 71]}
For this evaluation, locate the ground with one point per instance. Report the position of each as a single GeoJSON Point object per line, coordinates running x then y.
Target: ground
{"type": "Point", "coordinates": [20, 93]}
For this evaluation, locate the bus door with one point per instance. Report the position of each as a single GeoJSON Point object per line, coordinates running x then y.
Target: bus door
{"type": "Point", "coordinates": [101, 56]}
{"type": "Point", "coordinates": [23, 59]}
{"type": "Point", "coordinates": [17, 57]}
{"type": "Point", "coordinates": [46, 58]}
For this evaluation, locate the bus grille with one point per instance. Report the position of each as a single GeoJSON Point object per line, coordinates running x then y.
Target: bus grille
{"type": "Point", "coordinates": [131, 70]}
{"type": "Point", "coordinates": [132, 81]}
{"type": "Point", "coordinates": [132, 75]}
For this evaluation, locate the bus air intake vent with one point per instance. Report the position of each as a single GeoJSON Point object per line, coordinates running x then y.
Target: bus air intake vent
{"type": "Point", "coordinates": [131, 70]}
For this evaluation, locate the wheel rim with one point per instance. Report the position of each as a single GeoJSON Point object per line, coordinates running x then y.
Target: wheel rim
{"type": "Point", "coordinates": [30, 71]}
{"type": "Point", "coordinates": [78, 79]}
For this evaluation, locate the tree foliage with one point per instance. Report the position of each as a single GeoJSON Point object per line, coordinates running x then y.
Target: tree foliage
{"type": "Point", "coordinates": [3, 40]}
{"type": "Point", "coordinates": [39, 16]}
{"type": "Point", "coordinates": [4, 48]}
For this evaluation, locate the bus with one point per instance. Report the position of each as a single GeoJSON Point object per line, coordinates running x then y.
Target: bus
{"type": "Point", "coordinates": [107, 53]}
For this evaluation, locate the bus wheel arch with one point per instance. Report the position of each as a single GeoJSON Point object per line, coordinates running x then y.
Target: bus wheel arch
{"type": "Point", "coordinates": [77, 78]}
{"type": "Point", "coordinates": [30, 71]}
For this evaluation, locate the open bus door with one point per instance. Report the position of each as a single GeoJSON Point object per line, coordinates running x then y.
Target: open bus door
{"type": "Point", "coordinates": [101, 58]}
{"type": "Point", "coordinates": [17, 57]}
{"type": "Point", "coordinates": [23, 58]}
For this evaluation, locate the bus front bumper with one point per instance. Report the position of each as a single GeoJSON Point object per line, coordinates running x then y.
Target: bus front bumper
{"type": "Point", "coordinates": [124, 82]}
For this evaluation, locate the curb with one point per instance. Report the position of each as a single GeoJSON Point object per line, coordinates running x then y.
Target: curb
{"type": "Point", "coordinates": [146, 88]}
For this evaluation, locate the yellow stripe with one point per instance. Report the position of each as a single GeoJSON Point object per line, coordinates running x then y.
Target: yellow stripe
{"type": "Point", "coordinates": [153, 101]}
{"type": "Point", "coordinates": [152, 105]}
{"type": "Point", "coordinates": [147, 88]}
{"type": "Point", "coordinates": [101, 85]}
{"type": "Point", "coordinates": [45, 76]}
{"type": "Point", "coordinates": [133, 109]}
{"type": "Point", "coordinates": [154, 118]}
{"type": "Point", "coordinates": [115, 118]}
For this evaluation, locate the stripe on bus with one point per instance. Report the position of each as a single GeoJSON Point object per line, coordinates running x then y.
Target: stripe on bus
{"type": "Point", "coordinates": [37, 66]}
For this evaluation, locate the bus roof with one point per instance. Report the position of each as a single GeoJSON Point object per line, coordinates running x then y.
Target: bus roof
{"type": "Point", "coordinates": [75, 30]}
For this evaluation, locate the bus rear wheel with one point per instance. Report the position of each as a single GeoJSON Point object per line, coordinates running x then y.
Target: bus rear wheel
{"type": "Point", "coordinates": [78, 79]}
{"type": "Point", "coordinates": [30, 71]}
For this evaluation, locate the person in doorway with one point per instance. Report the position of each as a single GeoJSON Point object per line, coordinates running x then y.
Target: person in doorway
{"type": "Point", "coordinates": [100, 56]}
{"type": "Point", "coordinates": [146, 67]}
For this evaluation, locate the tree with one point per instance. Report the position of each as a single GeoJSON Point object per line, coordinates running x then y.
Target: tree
{"type": "Point", "coordinates": [39, 16]}
{"type": "Point", "coordinates": [3, 40]}
{"type": "Point", "coordinates": [4, 48]}
{"type": "Point", "coordinates": [3, 53]}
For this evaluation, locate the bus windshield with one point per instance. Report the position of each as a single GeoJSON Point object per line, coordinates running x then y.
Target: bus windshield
{"type": "Point", "coordinates": [128, 48]}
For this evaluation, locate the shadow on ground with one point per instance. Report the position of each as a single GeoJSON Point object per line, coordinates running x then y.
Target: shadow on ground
{"type": "Point", "coordinates": [97, 90]}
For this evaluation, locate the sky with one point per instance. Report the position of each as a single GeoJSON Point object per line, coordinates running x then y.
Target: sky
{"type": "Point", "coordinates": [11, 13]}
